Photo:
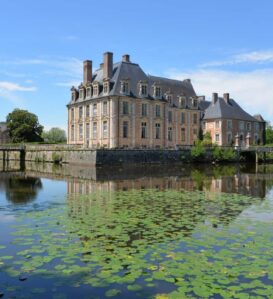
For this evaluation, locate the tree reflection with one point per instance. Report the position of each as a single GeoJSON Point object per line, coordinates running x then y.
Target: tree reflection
{"type": "Point", "coordinates": [22, 190]}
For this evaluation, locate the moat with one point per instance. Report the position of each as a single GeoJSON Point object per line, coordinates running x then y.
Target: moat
{"type": "Point", "coordinates": [136, 232]}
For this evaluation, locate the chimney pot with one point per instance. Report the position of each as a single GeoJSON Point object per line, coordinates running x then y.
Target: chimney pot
{"type": "Point", "coordinates": [214, 97]}
{"type": "Point", "coordinates": [126, 58]}
{"type": "Point", "coordinates": [87, 71]}
{"type": "Point", "coordinates": [107, 65]}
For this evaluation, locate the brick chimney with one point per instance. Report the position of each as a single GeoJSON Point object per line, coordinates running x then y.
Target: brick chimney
{"type": "Point", "coordinates": [214, 97]}
{"type": "Point", "coordinates": [87, 71]}
{"type": "Point", "coordinates": [226, 97]}
{"type": "Point", "coordinates": [126, 58]}
{"type": "Point", "coordinates": [107, 65]}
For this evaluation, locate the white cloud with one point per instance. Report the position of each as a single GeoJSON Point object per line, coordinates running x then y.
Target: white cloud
{"type": "Point", "coordinates": [250, 57]}
{"type": "Point", "coordinates": [10, 86]}
{"type": "Point", "coordinates": [252, 90]}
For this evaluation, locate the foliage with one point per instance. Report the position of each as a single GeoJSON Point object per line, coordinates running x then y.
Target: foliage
{"type": "Point", "coordinates": [223, 154]}
{"type": "Point", "coordinates": [269, 134]}
{"type": "Point", "coordinates": [56, 158]}
{"type": "Point", "coordinates": [24, 126]}
{"type": "Point", "coordinates": [198, 151]}
{"type": "Point", "coordinates": [54, 135]}
{"type": "Point", "coordinates": [207, 140]}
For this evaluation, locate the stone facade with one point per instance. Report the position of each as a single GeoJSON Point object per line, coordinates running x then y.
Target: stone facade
{"type": "Point", "coordinates": [4, 133]}
{"type": "Point", "coordinates": [122, 107]}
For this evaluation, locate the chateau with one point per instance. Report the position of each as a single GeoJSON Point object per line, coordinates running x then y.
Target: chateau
{"type": "Point", "coordinates": [119, 106]}
{"type": "Point", "coordinates": [4, 133]}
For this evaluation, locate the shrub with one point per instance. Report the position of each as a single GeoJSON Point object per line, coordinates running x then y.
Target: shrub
{"type": "Point", "coordinates": [198, 151]}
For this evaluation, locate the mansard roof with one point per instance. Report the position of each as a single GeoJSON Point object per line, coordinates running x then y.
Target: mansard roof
{"type": "Point", "coordinates": [134, 74]}
{"type": "Point", "coordinates": [226, 110]}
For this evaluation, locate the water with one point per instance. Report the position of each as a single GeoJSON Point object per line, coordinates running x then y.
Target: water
{"type": "Point", "coordinates": [136, 232]}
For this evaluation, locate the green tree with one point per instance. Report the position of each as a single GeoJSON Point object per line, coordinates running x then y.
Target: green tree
{"type": "Point", "coordinates": [269, 134]}
{"type": "Point", "coordinates": [24, 126]}
{"type": "Point", "coordinates": [54, 135]}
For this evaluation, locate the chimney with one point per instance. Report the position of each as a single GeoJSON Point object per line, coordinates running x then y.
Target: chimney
{"type": "Point", "coordinates": [226, 97]}
{"type": "Point", "coordinates": [101, 66]}
{"type": "Point", "coordinates": [87, 71]}
{"type": "Point", "coordinates": [126, 58]}
{"type": "Point", "coordinates": [214, 97]}
{"type": "Point", "coordinates": [107, 65]}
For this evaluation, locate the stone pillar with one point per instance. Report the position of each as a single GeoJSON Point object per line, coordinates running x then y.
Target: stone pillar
{"type": "Point", "coordinates": [248, 140]}
{"type": "Point", "coordinates": [237, 140]}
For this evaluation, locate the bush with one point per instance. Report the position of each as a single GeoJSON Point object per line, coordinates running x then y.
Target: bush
{"type": "Point", "coordinates": [198, 151]}
{"type": "Point", "coordinates": [223, 154]}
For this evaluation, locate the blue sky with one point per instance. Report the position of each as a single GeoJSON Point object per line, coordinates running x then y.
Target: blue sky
{"type": "Point", "coordinates": [223, 46]}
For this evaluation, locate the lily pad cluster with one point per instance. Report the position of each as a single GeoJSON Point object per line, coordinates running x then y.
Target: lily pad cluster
{"type": "Point", "coordinates": [147, 244]}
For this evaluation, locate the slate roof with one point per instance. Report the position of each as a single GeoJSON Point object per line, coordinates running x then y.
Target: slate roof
{"type": "Point", "coordinates": [259, 118]}
{"type": "Point", "coordinates": [231, 110]}
{"type": "Point", "coordinates": [203, 105]}
{"type": "Point", "coordinates": [132, 71]}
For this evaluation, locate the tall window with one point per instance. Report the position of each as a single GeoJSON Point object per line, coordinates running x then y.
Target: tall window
{"type": "Point", "coordinates": [157, 131]}
{"type": "Point", "coordinates": [143, 130]}
{"type": "Point", "coordinates": [104, 108]}
{"type": "Point", "coordinates": [157, 110]}
{"type": "Point", "coordinates": [105, 129]}
{"type": "Point", "coordinates": [87, 111]}
{"type": "Point", "coordinates": [229, 124]}
{"type": "Point", "coordinates": [157, 92]}
{"type": "Point", "coordinates": [143, 90]}
{"type": "Point", "coordinates": [242, 125]}
{"type": "Point", "coordinates": [183, 118]}
{"type": "Point", "coordinates": [81, 131]}
{"type": "Point", "coordinates": [105, 87]}
{"type": "Point", "coordinates": [95, 130]}
{"type": "Point", "coordinates": [183, 134]}
{"type": "Point", "coordinates": [182, 102]}
{"type": "Point", "coordinates": [248, 126]}
{"type": "Point", "coordinates": [88, 92]}
{"type": "Point", "coordinates": [87, 131]}
{"type": "Point", "coordinates": [144, 109]}
{"type": "Point", "coordinates": [95, 110]}
{"type": "Point", "coordinates": [217, 124]}
{"type": "Point", "coordinates": [125, 107]}
{"type": "Point", "coordinates": [72, 114]}
{"type": "Point", "coordinates": [125, 129]}
{"type": "Point", "coordinates": [95, 90]}
{"type": "Point", "coordinates": [170, 116]}
{"type": "Point", "coordinates": [81, 93]}
{"type": "Point", "coordinates": [195, 119]}
{"type": "Point", "coordinates": [217, 137]}
{"type": "Point", "coordinates": [170, 134]}
{"type": "Point", "coordinates": [257, 127]}
{"type": "Point", "coordinates": [124, 87]}
{"type": "Point", "coordinates": [194, 103]}
{"type": "Point", "coordinates": [169, 99]}
{"type": "Point", "coordinates": [72, 133]}
{"type": "Point", "coordinates": [80, 112]}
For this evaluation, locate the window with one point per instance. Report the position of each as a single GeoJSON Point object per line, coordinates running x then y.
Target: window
{"type": "Point", "coordinates": [170, 134]}
{"type": "Point", "coordinates": [80, 112]}
{"type": "Point", "coordinates": [87, 111]}
{"type": "Point", "coordinates": [182, 102]}
{"type": "Point", "coordinates": [94, 109]}
{"type": "Point", "coordinates": [105, 129]}
{"type": "Point", "coordinates": [72, 114]}
{"type": "Point", "coordinates": [194, 103]}
{"type": "Point", "coordinates": [217, 124]}
{"type": "Point", "coordinates": [72, 133]}
{"type": "Point", "coordinates": [229, 138]}
{"type": "Point", "coordinates": [183, 118]}
{"type": "Point", "coordinates": [96, 90]}
{"type": "Point", "coordinates": [169, 98]}
{"type": "Point", "coordinates": [170, 116]}
{"type": "Point", "coordinates": [157, 131]}
{"type": "Point", "coordinates": [229, 124]}
{"type": "Point", "coordinates": [248, 126]}
{"type": "Point", "coordinates": [125, 129]}
{"type": "Point", "coordinates": [195, 119]}
{"type": "Point", "coordinates": [124, 87]}
{"type": "Point", "coordinates": [257, 127]}
{"type": "Point", "coordinates": [81, 132]}
{"type": "Point", "coordinates": [157, 92]}
{"type": "Point", "coordinates": [81, 93]}
{"type": "Point", "coordinates": [194, 131]}
{"type": "Point", "coordinates": [157, 110]}
{"type": "Point", "coordinates": [105, 87]}
{"type": "Point", "coordinates": [217, 137]}
{"type": "Point", "coordinates": [256, 139]}
{"type": "Point", "coordinates": [143, 130]}
{"type": "Point", "coordinates": [144, 109]}
{"type": "Point", "coordinates": [88, 92]}
{"type": "Point", "coordinates": [87, 131]}
{"type": "Point", "coordinates": [104, 108]}
{"type": "Point", "coordinates": [183, 134]}
{"type": "Point", "coordinates": [242, 125]}
{"type": "Point", "coordinates": [143, 90]}
{"type": "Point", "coordinates": [94, 130]}
{"type": "Point", "coordinates": [125, 107]}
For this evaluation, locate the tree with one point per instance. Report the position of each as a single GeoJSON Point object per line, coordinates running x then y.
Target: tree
{"type": "Point", "coordinates": [269, 134]}
{"type": "Point", "coordinates": [54, 135]}
{"type": "Point", "coordinates": [24, 126]}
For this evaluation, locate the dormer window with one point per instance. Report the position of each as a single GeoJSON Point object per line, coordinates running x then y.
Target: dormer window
{"type": "Point", "coordinates": [157, 91]}
{"type": "Point", "coordinates": [194, 103]}
{"type": "Point", "coordinates": [95, 89]}
{"type": "Point", "coordinates": [81, 93]}
{"type": "Point", "coordinates": [88, 92]}
{"type": "Point", "coordinates": [169, 98]}
{"type": "Point", "coordinates": [106, 87]}
{"type": "Point", "coordinates": [182, 102]}
{"type": "Point", "coordinates": [73, 96]}
{"type": "Point", "coordinates": [143, 91]}
{"type": "Point", "coordinates": [124, 87]}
